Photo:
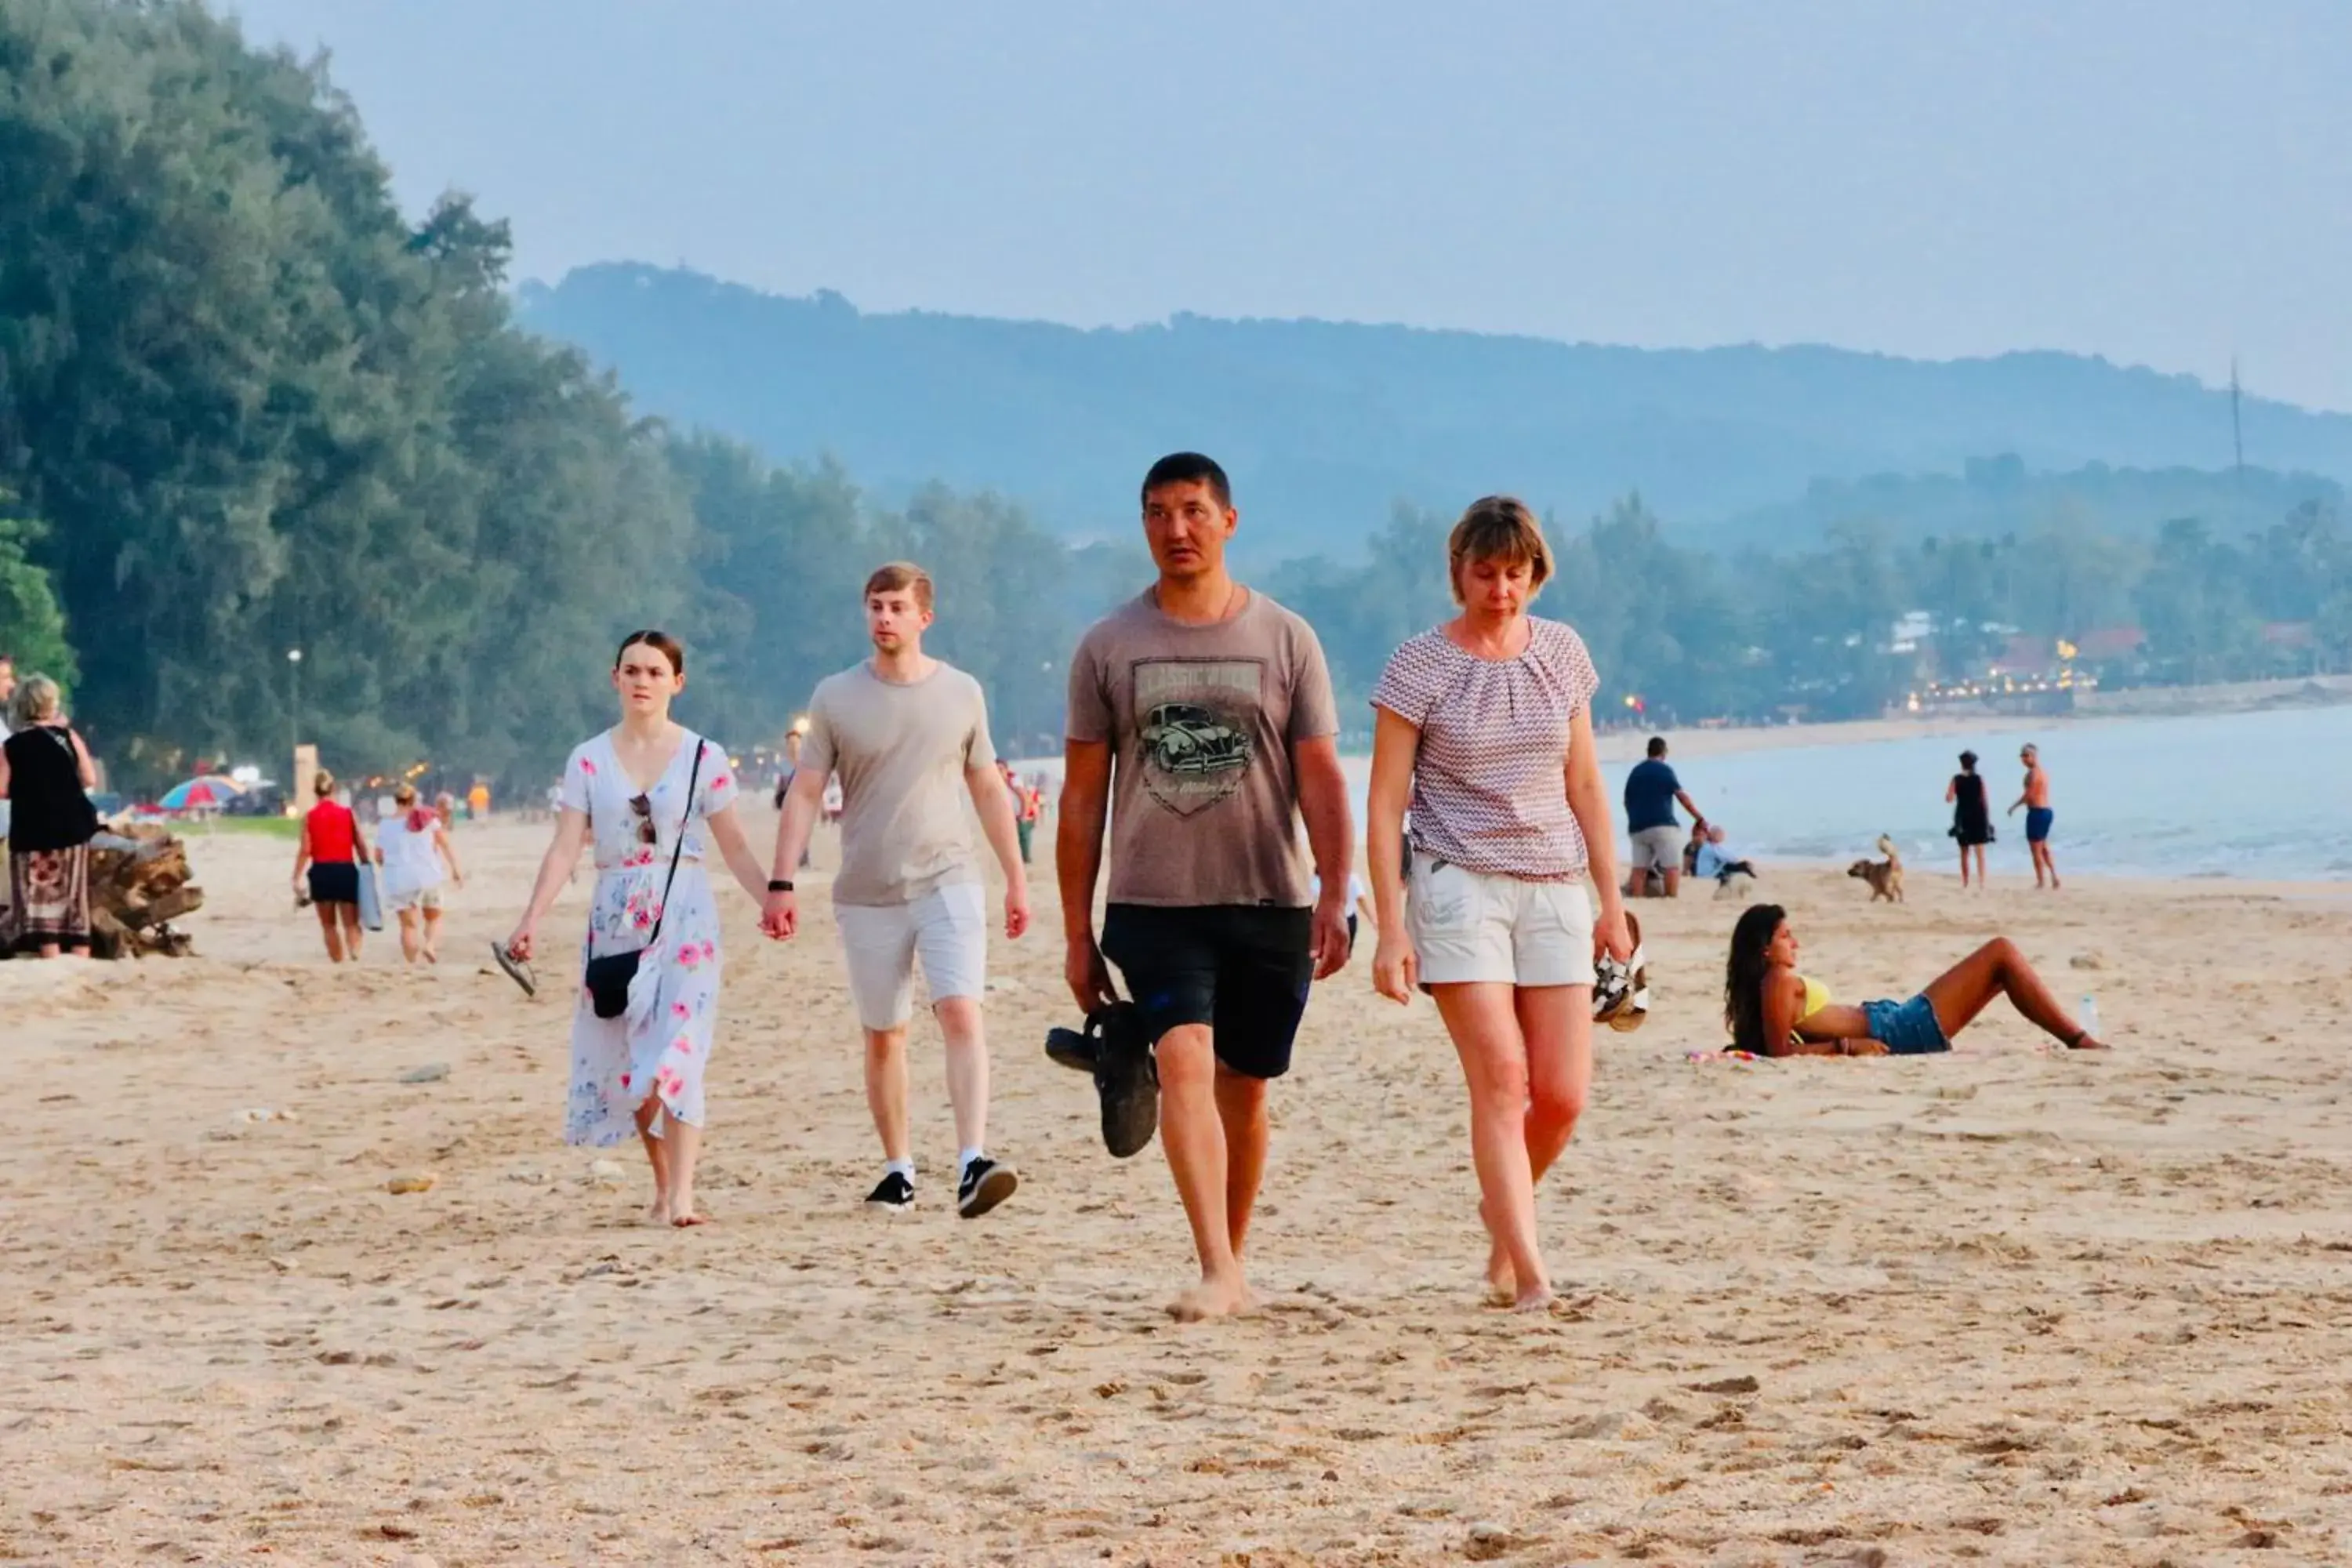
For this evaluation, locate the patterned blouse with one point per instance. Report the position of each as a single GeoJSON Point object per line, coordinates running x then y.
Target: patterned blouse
{"type": "Point", "coordinates": [1490, 777]}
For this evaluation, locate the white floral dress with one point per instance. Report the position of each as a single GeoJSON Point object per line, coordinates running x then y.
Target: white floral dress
{"type": "Point", "coordinates": [662, 1042]}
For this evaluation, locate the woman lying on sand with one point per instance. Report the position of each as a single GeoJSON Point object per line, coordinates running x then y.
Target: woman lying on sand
{"type": "Point", "coordinates": [1774, 1011]}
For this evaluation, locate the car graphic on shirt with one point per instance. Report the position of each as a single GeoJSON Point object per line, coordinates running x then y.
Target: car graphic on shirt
{"type": "Point", "coordinates": [1184, 739]}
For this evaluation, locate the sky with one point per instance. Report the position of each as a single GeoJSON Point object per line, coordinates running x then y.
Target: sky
{"type": "Point", "coordinates": [2161, 181]}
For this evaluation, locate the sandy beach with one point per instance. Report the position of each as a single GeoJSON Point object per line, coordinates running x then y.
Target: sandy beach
{"type": "Point", "coordinates": [2002, 1307]}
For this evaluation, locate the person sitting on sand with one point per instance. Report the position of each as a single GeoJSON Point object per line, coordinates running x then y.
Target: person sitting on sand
{"type": "Point", "coordinates": [1774, 1011]}
{"type": "Point", "coordinates": [1714, 860]}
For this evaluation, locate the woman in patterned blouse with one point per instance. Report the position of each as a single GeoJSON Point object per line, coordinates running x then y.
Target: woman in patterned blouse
{"type": "Point", "coordinates": [1484, 730]}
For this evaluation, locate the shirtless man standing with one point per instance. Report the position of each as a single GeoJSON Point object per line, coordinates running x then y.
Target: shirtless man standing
{"type": "Point", "coordinates": [1201, 724]}
{"type": "Point", "coordinates": [2038, 815]}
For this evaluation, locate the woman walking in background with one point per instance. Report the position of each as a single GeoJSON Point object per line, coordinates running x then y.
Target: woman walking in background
{"type": "Point", "coordinates": [413, 847]}
{"type": "Point", "coordinates": [327, 868]}
{"type": "Point", "coordinates": [1774, 1011]}
{"type": "Point", "coordinates": [46, 775]}
{"type": "Point", "coordinates": [1484, 730]}
{"type": "Point", "coordinates": [1971, 816]}
{"type": "Point", "coordinates": [655, 797]}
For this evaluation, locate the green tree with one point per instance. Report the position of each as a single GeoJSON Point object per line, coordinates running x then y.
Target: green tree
{"type": "Point", "coordinates": [32, 626]}
{"type": "Point", "coordinates": [2200, 618]}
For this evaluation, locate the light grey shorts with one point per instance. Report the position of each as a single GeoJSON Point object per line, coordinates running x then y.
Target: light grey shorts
{"type": "Point", "coordinates": [1468, 928]}
{"type": "Point", "coordinates": [1658, 849]}
{"type": "Point", "coordinates": [947, 930]}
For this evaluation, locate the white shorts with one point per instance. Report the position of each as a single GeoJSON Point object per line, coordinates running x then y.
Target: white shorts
{"type": "Point", "coordinates": [1469, 927]}
{"type": "Point", "coordinates": [948, 930]}
{"type": "Point", "coordinates": [1658, 849]}
{"type": "Point", "coordinates": [426, 898]}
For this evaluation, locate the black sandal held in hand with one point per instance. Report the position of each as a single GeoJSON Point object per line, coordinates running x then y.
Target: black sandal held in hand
{"type": "Point", "coordinates": [518, 970]}
{"type": "Point", "coordinates": [1115, 1054]}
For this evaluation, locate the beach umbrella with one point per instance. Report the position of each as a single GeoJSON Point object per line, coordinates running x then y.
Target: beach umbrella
{"type": "Point", "coordinates": [200, 794]}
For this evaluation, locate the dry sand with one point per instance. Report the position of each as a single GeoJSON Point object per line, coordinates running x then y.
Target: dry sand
{"type": "Point", "coordinates": [1999, 1306]}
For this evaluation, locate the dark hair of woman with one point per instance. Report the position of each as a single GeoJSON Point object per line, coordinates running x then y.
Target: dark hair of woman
{"type": "Point", "coordinates": [662, 643]}
{"type": "Point", "coordinates": [1743, 979]}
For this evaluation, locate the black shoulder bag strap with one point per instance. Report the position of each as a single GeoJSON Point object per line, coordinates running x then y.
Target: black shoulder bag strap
{"type": "Point", "coordinates": [607, 978]}
{"type": "Point", "coordinates": [685, 821]}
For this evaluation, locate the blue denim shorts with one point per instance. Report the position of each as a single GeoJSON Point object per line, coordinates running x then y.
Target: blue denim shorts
{"type": "Point", "coordinates": [1905, 1028]}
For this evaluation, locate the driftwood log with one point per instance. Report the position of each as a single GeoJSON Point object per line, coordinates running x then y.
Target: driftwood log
{"type": "Point", "coordinates": [138, 886]}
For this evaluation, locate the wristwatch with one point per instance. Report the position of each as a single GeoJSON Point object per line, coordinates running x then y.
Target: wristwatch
{"type": "Point", "coordinates": [779, 885]}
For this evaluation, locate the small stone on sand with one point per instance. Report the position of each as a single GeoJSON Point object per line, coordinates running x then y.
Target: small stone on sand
{"type": "Point", "coordinates": [431, 1072]}
{"type": "Point", "coordinates": [412, 1181]}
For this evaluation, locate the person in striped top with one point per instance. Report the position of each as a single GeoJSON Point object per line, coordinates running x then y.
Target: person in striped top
{"type": "Point", "coordinates": [1483, 728]}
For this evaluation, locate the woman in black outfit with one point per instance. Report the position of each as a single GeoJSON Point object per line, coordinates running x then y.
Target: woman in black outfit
{"type": "Point", "coordinates": [46, 775]}
{"type": "Point", "coordinates": [1971, 819]}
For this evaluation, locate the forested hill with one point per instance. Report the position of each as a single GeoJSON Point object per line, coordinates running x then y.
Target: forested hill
{"type": "Point", "coordinates": [1326, 425]}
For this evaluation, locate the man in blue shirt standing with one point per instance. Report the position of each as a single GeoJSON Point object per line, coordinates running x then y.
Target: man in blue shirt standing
{"type": "Point", "coordinates": [1651, 792]}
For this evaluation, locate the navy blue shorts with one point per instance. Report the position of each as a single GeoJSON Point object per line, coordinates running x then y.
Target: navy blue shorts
{"type": "Point", "coordinates": [2038, 819]}
{"type": "Point", "coordinates": [1907, 1028]}
{"type": "Point", "coordinates": [1243, 970]}
{"type": "Point", "coordinates": [335, 882]}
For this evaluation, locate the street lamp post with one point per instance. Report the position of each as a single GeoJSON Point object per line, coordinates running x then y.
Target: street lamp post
{"type": "Point", "coordinates": [294, 711]}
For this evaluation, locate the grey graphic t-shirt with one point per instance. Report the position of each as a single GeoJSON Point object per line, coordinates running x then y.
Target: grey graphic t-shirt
{"type": "Point", "coordinates": [1200, 720]}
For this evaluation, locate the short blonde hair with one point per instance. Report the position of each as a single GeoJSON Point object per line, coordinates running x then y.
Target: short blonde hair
{"type": "Point", "coordinates": [322, 784]}
{"type": "Point", "coordinates": [895, 576]}
{"type": "Point", "coordinates": [405, 795]}
{"type": "Point", "coordinates": [1498, 528]}
{"type": "Point", "coordinates": [37, 699]}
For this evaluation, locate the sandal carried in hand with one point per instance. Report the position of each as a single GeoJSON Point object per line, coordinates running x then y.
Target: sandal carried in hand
{"type": "Point", "coordinates": [518, 970]}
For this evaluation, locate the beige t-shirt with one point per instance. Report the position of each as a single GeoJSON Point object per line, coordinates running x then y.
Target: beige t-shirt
{"type": "Point", "coordinates": [901, 753]}
{"type": "Point", "coordinates": [1201, 721]}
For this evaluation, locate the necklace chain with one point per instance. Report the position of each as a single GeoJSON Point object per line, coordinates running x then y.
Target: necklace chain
{"type": "Point", "coordinates": [1233, 595]}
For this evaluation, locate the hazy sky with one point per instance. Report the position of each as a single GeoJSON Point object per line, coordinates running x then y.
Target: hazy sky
{"type": "Point", "coordinates": [2163, 182]}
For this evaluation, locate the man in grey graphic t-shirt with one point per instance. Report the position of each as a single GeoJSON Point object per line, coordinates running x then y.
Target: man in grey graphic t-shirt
{"type": "Point", "coordinates": [1201, 723]}
{"type": "Point", "coordinates": [908, 736]}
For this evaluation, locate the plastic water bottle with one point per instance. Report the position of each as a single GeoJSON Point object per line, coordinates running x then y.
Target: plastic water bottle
{"type": "Point", "coordinates": [2090, 1018]}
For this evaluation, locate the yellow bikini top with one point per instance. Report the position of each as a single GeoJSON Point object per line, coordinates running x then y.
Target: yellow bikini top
{"type": "Point", "coordinates": [1817, 997]}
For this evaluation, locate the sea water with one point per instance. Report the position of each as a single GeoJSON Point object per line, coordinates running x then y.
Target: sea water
{"type": "Point", "coordinates": [2266, 797]}
{"type": "Point", "coordinates": [2262, 796]}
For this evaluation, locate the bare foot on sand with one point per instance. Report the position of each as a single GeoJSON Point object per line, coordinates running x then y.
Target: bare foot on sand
{"type": "Point", "coordinates": [687, 1221]}
{"type": "Point", "coordinates": [1213, 1298]}
{"type": "Point", "coordinates": [1502, 1282]}
{"type": "Point", "coordinates": [657, 1211]}
{"type": "Point", "coordinates": [2089, 1043]}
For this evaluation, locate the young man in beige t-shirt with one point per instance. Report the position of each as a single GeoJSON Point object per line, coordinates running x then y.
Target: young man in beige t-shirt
{"type": "Point", "coordinates": [908, 737]}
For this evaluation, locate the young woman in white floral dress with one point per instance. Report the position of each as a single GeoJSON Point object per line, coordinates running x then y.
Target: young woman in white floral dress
{"type": "Point", "coordinates": [630, 788]}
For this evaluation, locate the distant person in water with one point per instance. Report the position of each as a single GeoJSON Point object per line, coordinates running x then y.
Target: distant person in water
{"type": "Point", "coordinates": [1971, 816]}
{"type": "Point", "coordinates": [1774, 1011]}
{"type": "Point", "coordinates": [2038, 815]}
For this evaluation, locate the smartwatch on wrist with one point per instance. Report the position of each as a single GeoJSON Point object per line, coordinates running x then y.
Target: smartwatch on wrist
{"type": "Point", "coordinates": [780, 885]}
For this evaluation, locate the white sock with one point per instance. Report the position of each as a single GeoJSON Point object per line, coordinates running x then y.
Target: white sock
{"type": "Point", "coordinates": [904, 1167]}
{"type": "Point", "coordinates": [964, 1159]}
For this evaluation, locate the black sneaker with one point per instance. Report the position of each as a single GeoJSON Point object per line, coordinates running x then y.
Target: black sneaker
{"type": "Point", "coordinates": [1126, 1078]}
{"type": "Point", "coordinates": [985, 1185]}
{"type": "Point", "coordinates": [894, 1193]}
